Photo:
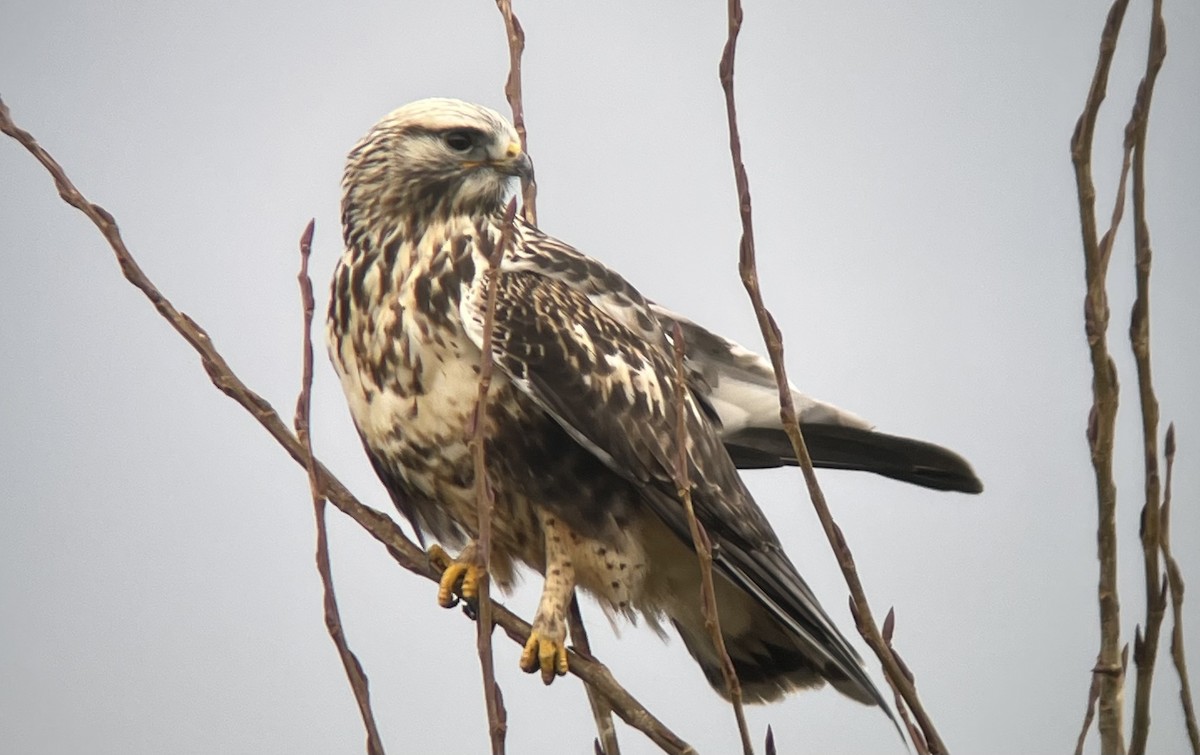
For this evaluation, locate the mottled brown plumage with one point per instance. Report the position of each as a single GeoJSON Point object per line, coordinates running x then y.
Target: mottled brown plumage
{"type": "Point", "coordinates": [580, 425]}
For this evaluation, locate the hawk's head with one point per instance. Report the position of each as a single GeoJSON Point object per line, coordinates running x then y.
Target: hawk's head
{"type": "Point", "coordinates": [431, 159]}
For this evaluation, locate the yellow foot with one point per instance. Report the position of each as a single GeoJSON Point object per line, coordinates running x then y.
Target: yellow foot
{"type": "Point", "coordinates": [546, 653]}
{"type": "Point", "coordinates": [460, 575]}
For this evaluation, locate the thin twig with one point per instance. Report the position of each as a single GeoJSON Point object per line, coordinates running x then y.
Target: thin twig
{"type": "Point", "coordinates": [1175, 583]}
{"type": "Point", "coordinates": [483, 489]}
{"type": "Point", "coordinates": [749, 272]}
{"type": "Point", "coordinates": [1102, 418]}
{"type": "Point", "coordinates": [512, 91]}
{"type": "Point", "coordinates": [381, 527]}
{"type": "Point", "coordinates": [333, 619]}
{"type": "Point", "coordinates": [1089, 715]}
{"type": "Point", "coordinates": [708, 595]}
{"type": "Point", "coordinates": [515, 35]}
{"type": "Point", "coordinates": [1146, 652]}
{"type": "Point", "coordinates": [914, 733]}
{"type": "Point", "coordinates": [606, 740]}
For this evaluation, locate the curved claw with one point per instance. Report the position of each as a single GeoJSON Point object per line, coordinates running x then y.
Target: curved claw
{"type": "Point", "coordinates": [545, 653]}
{"type": "Point", "coordinates": [461, 575]}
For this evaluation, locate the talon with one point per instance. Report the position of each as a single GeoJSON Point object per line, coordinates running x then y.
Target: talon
{"type": "Point", "coordinates": [544, 653]}
{"type": "Point", "coordinates": [460, 575]}
{"type": "Point", "coordinates": [439, 557]}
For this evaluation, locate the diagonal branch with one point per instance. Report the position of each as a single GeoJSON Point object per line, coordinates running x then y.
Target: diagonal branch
{"type": "Point", "coordinates": [774, 341]}
{"type": "Point", "coordinates": [381, 527]}
{"type": "Point", "coordinates": [889, 627]}
{"type": "Point", "coordinates": [333, 619]}
{"type": "Point", "coordinates": [708, 595]}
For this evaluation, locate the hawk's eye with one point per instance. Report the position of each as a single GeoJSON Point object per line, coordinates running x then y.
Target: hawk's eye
{"type": "Point", "coordinates": [459, 141]}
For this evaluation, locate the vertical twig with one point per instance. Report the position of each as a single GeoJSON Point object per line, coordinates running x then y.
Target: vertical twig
{"type": "Point", "coordinates": [703, 545]}
{"type": "Point", "coordinates": [1146, 652]}
{"type": "Point", "coordinates": [749, 272]}
{"type": "Point", "coordinates": [1102, 418]}
{"type": "Point", "coordinates": [1089, 714]}
{"type": "Point", "coordinates": [515, 35]}
{"type": "Point", "coordinates": [483, 490]}
{"type": "Point", "coordinates": [606, 741]}
{"type": "Point", "coordinates": [333, 621]}
{"type": "Point", "coordinates": [512, 91]}
{"type": "Point", "coordinates": [1175, 583]}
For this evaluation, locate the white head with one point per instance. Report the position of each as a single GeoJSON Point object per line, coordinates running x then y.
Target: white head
{"type": "Point", "coordinates": [431, 159]}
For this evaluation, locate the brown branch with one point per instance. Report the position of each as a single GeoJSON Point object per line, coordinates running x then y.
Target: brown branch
{"type": "Point", "coordinates": [1175, 583]}
{"type": "Point", "coordinates": [1089, 715]}
{"type": "Point", "coordinates": [515, 35]}
{"type": "Point", "coordinates": [1146, 652]}
{"type": "Point", "coordinates": [749, 272]}
{"type": "Point", "coordinates": [381, 527]}
{"type": "Point", "coordinates": [889, 628]}
{"type": "Point", "coordinates": [512, 91]}
{"type": "Point", "coordinates": [484, 498]}
{"type": "Point", "coordinates": [483, 489]}
{"type": "Point", "coordinates": [703, 546]}
{"type": "Point", "coordinates": [333, 619]}
{"type": "Point", "coordinates": [606, 743]}
{"type": "Point", "coordinates": [1102, 418]}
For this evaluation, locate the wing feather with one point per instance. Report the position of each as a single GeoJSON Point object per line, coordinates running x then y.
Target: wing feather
{"type": "Point", "coordinates": [599, 363]}
{"type": "Point", "coordinates": [740, 388]}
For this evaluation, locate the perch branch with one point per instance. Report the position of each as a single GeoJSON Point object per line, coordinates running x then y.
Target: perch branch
{"type": "Point", "coordinates": [703, 546]}
{"type": "Point", "coordinates": [381, 527]}
{"type": "Point", "coordinates": [749, 272]}
{"type": "Point", "coordinates": [333, 619]}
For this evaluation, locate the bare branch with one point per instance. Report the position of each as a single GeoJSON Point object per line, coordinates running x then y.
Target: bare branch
{"type": "Point", "coordinates": [333, 619]}
{"type": "Point", "coordinates": [914, 733]}
{"type": "Point", "coordinates": [1175, 582]}
{"type": "Point", "coordinates": [381, 527]}
{"type": "Point", "coordinates": [1102, 418]}
{"type": "Point", "coordinates": [606, 742]}
{"type": "Point", "coordinates": [483, 489]}
{"type": "Point", "coordinates": [512, 91]}
{"type": "Point", "coordinates": [1089, 715]}
{"type": "Point", "coordinates": [703, 546]}
{"type": "Point", "coordinates": [1146, 652]}
{"type": "Point", "coordinates": [771, 336]}
{"type": "Point", "coordinates": [515, 35]}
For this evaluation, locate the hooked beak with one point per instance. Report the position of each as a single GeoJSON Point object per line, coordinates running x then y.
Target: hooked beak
{"type": "Point", "coordinates": [515, 162]}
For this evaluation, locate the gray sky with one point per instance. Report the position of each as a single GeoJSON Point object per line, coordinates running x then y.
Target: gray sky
{"type": "Point", "coordinates": [919, 245]}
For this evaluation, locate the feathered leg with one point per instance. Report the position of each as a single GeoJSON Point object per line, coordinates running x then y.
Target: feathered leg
{"type": "Point", "coordinates": [547, 646]}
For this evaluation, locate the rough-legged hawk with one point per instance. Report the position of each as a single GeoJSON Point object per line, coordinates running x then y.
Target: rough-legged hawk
{"type": "Point", "coordinates": [581, 430]}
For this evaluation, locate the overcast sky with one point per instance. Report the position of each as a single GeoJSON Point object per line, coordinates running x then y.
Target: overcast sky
{"type": "Point", "coordinates": [919, 245]}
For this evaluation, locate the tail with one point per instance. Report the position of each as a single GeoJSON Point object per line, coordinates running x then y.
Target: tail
{"type": "Point", "coordinates": [769, 659]}
{"type": "Point", "coordinates": [737, 387]}
{"type": "Point", "coordinates": [856, 448]}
